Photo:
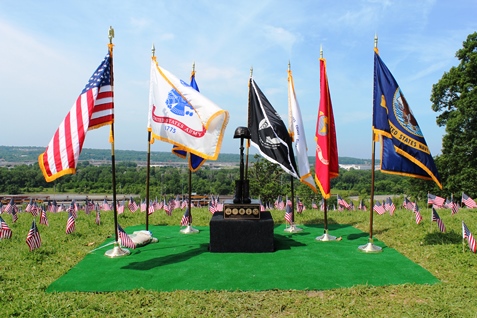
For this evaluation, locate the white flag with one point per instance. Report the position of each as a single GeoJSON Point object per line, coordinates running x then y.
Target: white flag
{"type": "Point", "coordinates": [180, 115]}
{"type": "Point", "coordinates": [297, 133]}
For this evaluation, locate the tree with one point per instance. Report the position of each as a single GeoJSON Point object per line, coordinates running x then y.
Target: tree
{"type": "Point", "coordinates": [266, 180]}
{"type": "Point", "coordinates": [454, 96]}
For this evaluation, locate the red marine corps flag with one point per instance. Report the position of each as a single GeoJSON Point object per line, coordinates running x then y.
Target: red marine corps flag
{"type": "Point", "coordinates": [326, 156]}
{"type": "Point", "coordinates": [92, 109]}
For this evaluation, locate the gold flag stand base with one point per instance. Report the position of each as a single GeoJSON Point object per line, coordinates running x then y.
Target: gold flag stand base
{"type": "Point", "coordinates": [189, 230]}
{"type": "Point", "coordinates": [370, 248]}
{"type": "Point", "coordinates": [325, 237]}
{"type": "Point", "coordinates": [293, 229]}
{"type": "Point", "coordinates": [117, 251]}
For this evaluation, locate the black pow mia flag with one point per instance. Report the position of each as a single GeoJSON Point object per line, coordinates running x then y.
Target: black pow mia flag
{"type": "Point", "coordinates": [268, 132]}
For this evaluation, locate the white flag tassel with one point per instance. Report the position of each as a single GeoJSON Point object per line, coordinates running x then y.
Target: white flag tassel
{"type": "Point", "coordinates": [297, 133]}
{"type": "Point", "coordinates": [180, 115]}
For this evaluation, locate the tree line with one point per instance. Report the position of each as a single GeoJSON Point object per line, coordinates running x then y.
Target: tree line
{"type": "Point", "coordinates": [267, 181]}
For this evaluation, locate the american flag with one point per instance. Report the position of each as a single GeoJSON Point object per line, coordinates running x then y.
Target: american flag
{"type": "Point", "coordinates": [436, 218]}
{"type": "Point", "coordinates": [158, 204]}
{"type": "Point", "coordinates": [70, 224]}
{"type": "Point", "coordinates": [106, 206]}
{"type": "Point", "coordinates": [262, 206]}
{"type": "Point", "coordinates": [299, 206]}
{"type": "Point", "coordinates": [167, 208]}
{"type": "Point", "coordinates": [33, 239]}
{"type": "Point", "coordinates": [342, 202]}
{"type": "Point", "coordinates": [407, 204]}
{"type": "Point", "coordinates": [97, 220]}
{"type": "Point", "coordinates": [143, 205]}
{"type": "Point", "coordinates": [177, 203]}
{"type": "Point", "coordinates": [186, 218]}
{"type": "Point", "coordinates": [34, 209]}
{"type": "Point", "coordinates": [435, 200]}
{"type": "Point", "coordinates": [362, 207]}
{"type": "Point", "coordinates": [151, 208]}
{"type": "Point", "coordinates": [29, 206]}
{"type": "Point", "coordinates": [417, 213]}
{"type": "Point", "coordinates": [184, 204]}
{"type": "Point", "coordinates": [313, 205]}
{"type": "Point", "coordinates": [322, 204]}
{"type": "Point", "coordinates": [43, 218]}
{"type": "Point", "coordinates": [288, 214]}
{"type": "Point", "coordinates": [5, 231]}
{"type": "Point", "coordinates": [124, 238]}
{"type": "Point", "coordinates": [279, 204]}
{"type": "Point", "coordinates": [450, 204]}
{"type": "Point", "coordinates": [132, 205]}
{"type": "Point", "coordinates": [120, 207]}
{"type": "Point", "coordinates": [88, 206]}
{"type": "Point", "coordinates": [92, 109]}
{"type": "Point", "coordinates": [52, 207]}
{"type": "Point", "coordinates": [14, 215]}
{"type": "Point", "coordinates": [390, 206]}
{"type": "Point", "coordinates": [72, 209]}
{"type": "Point", "coordinates": [378, 207]}
{"type": "Point", "coordinates": [470, 238]}
{"type": "Point", "coordinates": [468, 201]}
{"type": "Point", "coordinates": [10, 207]}
{"type": "Point", "coordinates": [212, 207]}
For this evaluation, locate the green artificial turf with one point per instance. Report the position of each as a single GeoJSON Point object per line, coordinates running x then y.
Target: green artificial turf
{"type": "Point", "coordinates": [182, 262]}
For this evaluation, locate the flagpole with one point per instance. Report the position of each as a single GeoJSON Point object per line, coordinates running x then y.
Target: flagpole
{"type": "Point", "coordinates": [370, 247]}
{"type": "Point", "coordinates": [189, 229]}
{"type": "Point", "coordinates": [293, 228]}
{"type": "Point", "coordinates": [117, 251]}
{"type": "Point", "coordinates": [248, 141]}
{"type": "Point", "coordinates": [148, 165]}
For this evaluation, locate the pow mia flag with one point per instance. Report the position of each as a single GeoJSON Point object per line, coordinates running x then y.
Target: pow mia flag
{"type": "Point", "coordinates": [268, 132]}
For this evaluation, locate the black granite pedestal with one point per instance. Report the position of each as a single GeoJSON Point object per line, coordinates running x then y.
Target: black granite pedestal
{"type": "Point", "coordinates": [241, 235]}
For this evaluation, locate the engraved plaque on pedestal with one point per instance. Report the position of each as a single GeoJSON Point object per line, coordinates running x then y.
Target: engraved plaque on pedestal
{"type": "Point", "coordinates": [242, 210]}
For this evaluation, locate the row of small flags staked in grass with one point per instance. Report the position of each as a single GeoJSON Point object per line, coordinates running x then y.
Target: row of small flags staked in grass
{"type": "Point", "coordinates": [33, 239]}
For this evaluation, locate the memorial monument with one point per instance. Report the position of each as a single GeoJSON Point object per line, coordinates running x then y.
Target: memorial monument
{"type": "Point", "coordinates": [241, 226]}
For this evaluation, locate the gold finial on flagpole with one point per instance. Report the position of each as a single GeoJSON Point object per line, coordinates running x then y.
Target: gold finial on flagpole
{"type": "Point", "coordinates": [111, 34]}
{"type": "Point", "coordinates": [153, 50]}
{"type": "Point", "coordinates": [289, 65]}
{"type": "Point", "coordinates": [321, 51]}
{"type": "Point", "coordinates": [251, 71]}
{"type": "Point", "coordinates": [376, 40]}
{"type": "Point", "coordinates": [193, 67]}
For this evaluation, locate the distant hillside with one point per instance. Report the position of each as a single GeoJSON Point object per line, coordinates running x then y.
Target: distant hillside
{"type": "Point", "coordinates": [29, 155]}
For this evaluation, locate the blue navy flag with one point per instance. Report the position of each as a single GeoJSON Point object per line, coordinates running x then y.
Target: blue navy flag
{"type": "Point", "coordinates": [268, 132]}
{"type": "Point", "coordinates": [195, 161]}
{"type": "Point", "coordinates": [405, 150]}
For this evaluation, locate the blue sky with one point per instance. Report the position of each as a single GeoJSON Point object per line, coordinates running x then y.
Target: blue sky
{"type": "Point", "coordinates": [51, 48]}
